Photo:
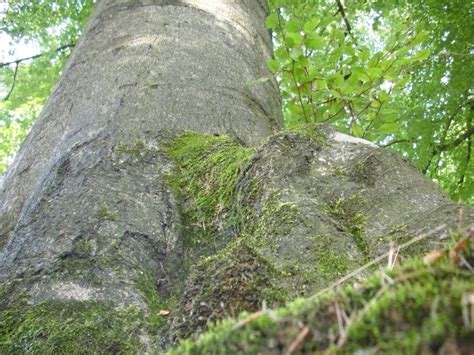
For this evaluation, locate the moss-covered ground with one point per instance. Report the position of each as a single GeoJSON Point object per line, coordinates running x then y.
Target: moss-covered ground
{"type": "Point", "coordinates": [423, 306]}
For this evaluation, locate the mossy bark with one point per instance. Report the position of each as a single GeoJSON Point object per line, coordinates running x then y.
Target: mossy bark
{"type": "Point", "coordinates": [254, 228]}
{"type": "Point", "coordinates": [297, 213]}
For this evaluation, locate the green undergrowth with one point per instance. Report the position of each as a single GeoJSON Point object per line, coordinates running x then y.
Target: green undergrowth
{"type": "Point", "coordinates": [206, 170]}
{"type": "Point", "coordinates": [414, 308]}
{"type": "Point", "coordinates": [69, 327]}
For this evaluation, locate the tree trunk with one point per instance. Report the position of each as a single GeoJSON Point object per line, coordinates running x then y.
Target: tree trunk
{"type": "Point", "coordinates": [101, 203]}
{"type": "Point", "coordinates": [145, 66]}
{"type": "Point", "coordinates": [82, 220]}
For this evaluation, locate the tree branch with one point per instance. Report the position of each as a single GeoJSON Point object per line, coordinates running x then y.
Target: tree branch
{"type": "Point", "coordinates": [453, 144]}
{"type": "Point", "coordinates": [449, 120]}
{"type": "Point", "coordinates": [13, 84]}
{"type": "Point", "coordinates": [344, 17]}
{"type": "Point", "coordinates": [18, 61]}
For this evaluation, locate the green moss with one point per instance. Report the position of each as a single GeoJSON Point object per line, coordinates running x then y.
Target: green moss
{"type": "Point", "coordinates": [212, 293]}
{"type": "Point", "coordinates": [411, 309]}
{"type": "Point", "coordinates": [84, 247]}
{"type": "Point", "coordinates": [69, 327]}
{"type": "Point", "coordinates": [233, 218]}
{"type": "Point", "coordinates": [146, 284]}
{"type": "Point", "coordinates": [309, 131]}
{"type": "Point", "coordinates": [105, 213]}
{"type": "Point", "coordinates": [267, 227]}
{"type": "Point", "coordinates": [340, 171]}
{"type": "Point", "coordinates": [79, 327]}
{"type": "Point", "coordinates": [350, 218]}
{"type": "Point", "coordinates": [205, 174]}
{"type": "Point", "coordinates": [330, 264]}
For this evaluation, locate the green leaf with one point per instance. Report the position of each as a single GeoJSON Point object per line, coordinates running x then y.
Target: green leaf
{"type": "Point", "coordinates": [273, 65]}
{"type": "Point", "coordinates": [364, 55]}
{"type": "Point", "coordinates": [311, 25]}
{"type": "Point", "coordinates": [314, 42]}
{"type": "Point", "coordinates": [337, 79]}
{"type": "Point", "coordinates": [295, 37]}
{"type": "Point", "coordinates": [389, 128]}
{"type": "Point", "coordinates": [374, 60]}
{"type": "Point", "coordinates": [421, 55]}
{"type": "Point", "coordinates": [419, 38]}
{"type": "Point", "coordinates": [321, 84]}
{"type": "Point", "coordinates": [272, 21]}
{"type": "Point", "coordinates": [374, 73]}
{"type": "Point", "coordinates": [292, 26]}
{"type": "Point", "coordinates": [356, 130]}
{"type": "Point", "coordinates": [335, 93]}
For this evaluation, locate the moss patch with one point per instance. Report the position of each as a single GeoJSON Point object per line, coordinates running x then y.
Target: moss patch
{"type": "Point", "coordinates": [106, 213]}
{"type": "Point", "coordinates": [350, 218]}
{"type": "Point", "coordinates": [413, 308]}
{"type": "Point", "coordinates": [69, 327]}
{"type": "Point", "coordinates": [330, 264]}
{"type": "Point", "coordinates": [206, 171]}
{"type": "Point", "coordinates": [154, 319]}
{"type": "Point", "coordinates": [311, 132]}
{"type": "Point", "coordinates": [221, 286]}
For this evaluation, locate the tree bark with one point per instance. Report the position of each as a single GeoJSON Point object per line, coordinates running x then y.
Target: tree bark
{"type": "Point", "coordinates": [98, 209]}
{"type": "Point", "coordinates": [147, 66]}
{"type": "Point", "coordinates": [80, 218]}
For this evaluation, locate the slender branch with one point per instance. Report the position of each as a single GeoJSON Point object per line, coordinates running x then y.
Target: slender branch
{"type": "Point", "coordinates": [468, 158]}
{"type": "Point", "coordinates": [13, 84]}
{"type": "Point", "coordinates": [292, 72]}
{"type": "Point", "coordinates": [449, 120]}
{"type": "Point", "coordinates": [18, 61]}
{"type": "Point", "coordinates": [456, 142]}
{"type": "Point", "coordinates": [396, 142]}
{"type": "Point", "coordinates": [344, 17]}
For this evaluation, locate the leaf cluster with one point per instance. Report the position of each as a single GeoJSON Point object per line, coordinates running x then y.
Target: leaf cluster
{"type": "Point", "coordinates": [396, 73]}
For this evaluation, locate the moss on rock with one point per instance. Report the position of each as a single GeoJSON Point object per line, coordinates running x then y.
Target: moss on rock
{"type": "Point", "coordinates": [350, 218]}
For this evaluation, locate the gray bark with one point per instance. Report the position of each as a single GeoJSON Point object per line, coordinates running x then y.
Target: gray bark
{"type": "Point", "coordinates": [141, 67]}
